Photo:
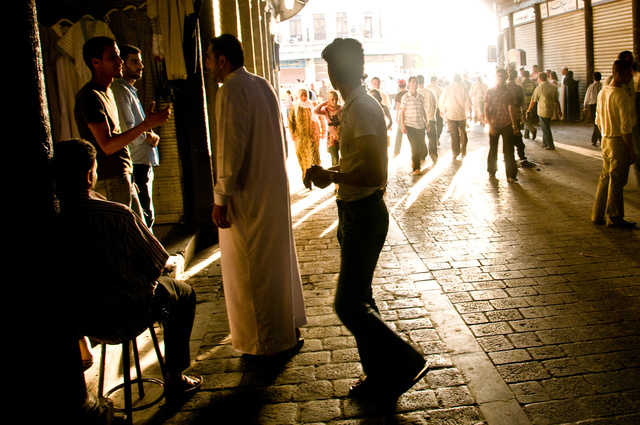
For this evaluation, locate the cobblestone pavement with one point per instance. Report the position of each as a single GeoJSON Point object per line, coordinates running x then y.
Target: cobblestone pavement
{"type": "Point", "coordinates": [527, 311]}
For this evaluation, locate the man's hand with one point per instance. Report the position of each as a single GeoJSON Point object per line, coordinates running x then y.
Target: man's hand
{"type": "Point", "coordinates": [152, 138]}
{"type": "Point", "coordinates": [219, 216]}
{"type": "Point", "coordinates": [156, 118]}
{"type": "Point", "coordinates": [318, 176]}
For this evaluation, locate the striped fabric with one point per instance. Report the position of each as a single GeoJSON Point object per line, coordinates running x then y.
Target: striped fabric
{"type": "Point", "coordinates": [413, 107]}
{"type": "Point", "coordinates": [111, 262]}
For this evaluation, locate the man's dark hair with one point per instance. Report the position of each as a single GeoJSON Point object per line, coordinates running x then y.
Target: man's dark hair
{"type": "Point", "coordinates": [457, 78]}
{"type": "Point", "coordinates": [94, 49]}
{"type": "Point", "coordinates": [625, 55]}
{"type": "Point", "coordinates": [345, 59]}
{"type": "Point", "coordinates": [229, 46]}
{"type": "Point", "coordinates": [434, 79]}
{"type": "Point", "coordinates": [72, 160]}
{"type": "Point", "coordinates": [126, 50]}
{"type": "Point", "coordinates": [526, 74]}
{"type": "Point", "coordinates": [621, 65]}
{"type": "Point", "coordinates": [597, 76]}
{"type": "Point", "coordinates": [542, 76]}
{"type": "Point", "coordinates": [513, 75]}
{"type": "Point", "coordinates": [421, 79]}
{"type": "Point", "coordinates": [376, 94]}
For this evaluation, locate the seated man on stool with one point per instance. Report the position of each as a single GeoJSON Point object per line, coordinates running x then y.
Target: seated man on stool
{"type": "Point", "coordinates": [112, 265]}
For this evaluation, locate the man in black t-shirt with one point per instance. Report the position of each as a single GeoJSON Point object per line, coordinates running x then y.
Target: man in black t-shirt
{"type": "Point", "coordinates": [96, 116]}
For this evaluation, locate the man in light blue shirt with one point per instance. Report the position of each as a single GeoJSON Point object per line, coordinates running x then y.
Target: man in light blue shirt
{"type": "Point", "coordinates": [143, 150]}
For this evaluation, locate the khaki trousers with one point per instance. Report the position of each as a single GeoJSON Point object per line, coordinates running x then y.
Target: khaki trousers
{"type": "Point", "coordinates": [609, 202]}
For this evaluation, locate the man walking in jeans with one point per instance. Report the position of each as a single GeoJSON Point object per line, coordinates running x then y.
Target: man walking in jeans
{"type": "Point", "coordinates": [413, 123]}
{"type": "Point", "coordinates": [546, 95]}
{"type": "Point", "coordinates": [391, 364]}
{"type": "Point", "coordinates": [499, 105]}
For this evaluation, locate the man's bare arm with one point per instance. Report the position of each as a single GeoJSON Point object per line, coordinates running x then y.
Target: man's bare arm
{"type": "Point", "coordinates": [112, 143]}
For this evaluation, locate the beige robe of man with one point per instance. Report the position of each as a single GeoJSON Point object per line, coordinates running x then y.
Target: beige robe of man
{"type": "Point", "coordinates": [262, 285]}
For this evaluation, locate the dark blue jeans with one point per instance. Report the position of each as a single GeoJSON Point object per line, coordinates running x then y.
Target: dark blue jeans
{"type": "Point", "coordinates": [547, 136]}
{"type": "Point", "coordinates": [418, 144]}
{"type": "Point", "coordinates": [362, 230]}
{"type": "Point", "coordinates": [511, 167]}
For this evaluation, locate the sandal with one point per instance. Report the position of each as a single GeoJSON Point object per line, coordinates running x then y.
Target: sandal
{"type": "Point", "coordinates": [186, 387]}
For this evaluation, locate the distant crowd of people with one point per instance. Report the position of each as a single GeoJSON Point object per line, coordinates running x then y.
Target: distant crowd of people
{"type": "Point", "coordinates": [512, 109]}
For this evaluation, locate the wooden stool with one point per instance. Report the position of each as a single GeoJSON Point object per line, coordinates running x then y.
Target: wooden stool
{"type": "Point", "coordinates": [128, 382]}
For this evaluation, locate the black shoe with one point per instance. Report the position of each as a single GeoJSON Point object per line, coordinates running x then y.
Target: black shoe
{"type": "Point", "coordinates": [622, 224]}
{"type": "Point", "coordinates": [534, 133]}
{"type": "Point", "coordinates": [404, 386]}
{"type": "Point", "coordinates": [370, 389]}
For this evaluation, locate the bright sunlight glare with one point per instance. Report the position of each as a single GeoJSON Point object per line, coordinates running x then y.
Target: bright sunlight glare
{"type": "Point", "coordinates": [451, 35]}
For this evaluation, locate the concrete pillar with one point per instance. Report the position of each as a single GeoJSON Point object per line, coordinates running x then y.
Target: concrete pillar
{"type": "Point", "coordinates": [258, 38]}
{"type": "Point", "coordinates": [229, 17]}
{"type": "Point", "coordinates": [588, 40]}
{"type": "Point", "coordinates": [539, 48]}
{"type": "Point", "coordinates": [635, 13]}
{"type": "Point", "coordinates": [246, 31]}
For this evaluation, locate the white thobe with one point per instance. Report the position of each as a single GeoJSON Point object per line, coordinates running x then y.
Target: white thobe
{"type": "Point", "coordinates": [262, 285]}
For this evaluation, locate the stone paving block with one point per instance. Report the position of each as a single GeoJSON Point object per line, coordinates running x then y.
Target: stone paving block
{"type": "Point", "coordinates": [509, 356]}
{"type": "Point", "coordinates": [606, 405]}
{"type": "Point", "coordinates": [495, 343]}
{"type": "Point", "coordinates": [454, 396]}
{"type": "Point", "coordinates": [556, 412]}
{"type": "Point", "coordinates": [455, 416]}
{"type": "Point", "coordinates": [486, 329]}
{"type": "Point", "coordinates": [529, 392]}
{"type": "Point", "coordinates": [568, 387]}
{"type": "Point", "coordinates": [607, 382]}
{"type": "Point", "coordinates": [525, 371]}
{"type": "Point", "coordinates": [282, 413]}
{"type": "Point", "coordinates": [564, 367]}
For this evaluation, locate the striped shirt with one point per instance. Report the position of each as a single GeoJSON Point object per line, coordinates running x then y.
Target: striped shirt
{"type": "Point", "coordinates": [111, 263]}
{"type": "Point", "coordinates": [412, 106]}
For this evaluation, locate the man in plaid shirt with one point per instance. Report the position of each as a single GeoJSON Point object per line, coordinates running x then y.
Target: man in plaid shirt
{"type": "Point", "coordinates": [499, 105]}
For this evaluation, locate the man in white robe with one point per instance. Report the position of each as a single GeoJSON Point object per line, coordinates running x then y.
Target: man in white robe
{"type": "Point", "coordinates": [262, 285]}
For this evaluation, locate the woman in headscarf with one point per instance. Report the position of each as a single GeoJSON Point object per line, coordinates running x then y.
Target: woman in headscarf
{"type": "Point", "coordinates": [306, 131]}
{"type": "Point", "coordinates": [332, 111]}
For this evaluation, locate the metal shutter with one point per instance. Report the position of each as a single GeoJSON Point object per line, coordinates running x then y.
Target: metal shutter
{"type": "Point", "coordinates": [168, 200]}
{"type": "Point", "coordinates": [526, 40]}
{"type": "Point", "coordinates": [563, 40]}
{"type": "Point", "coordinates": [612, 33]}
